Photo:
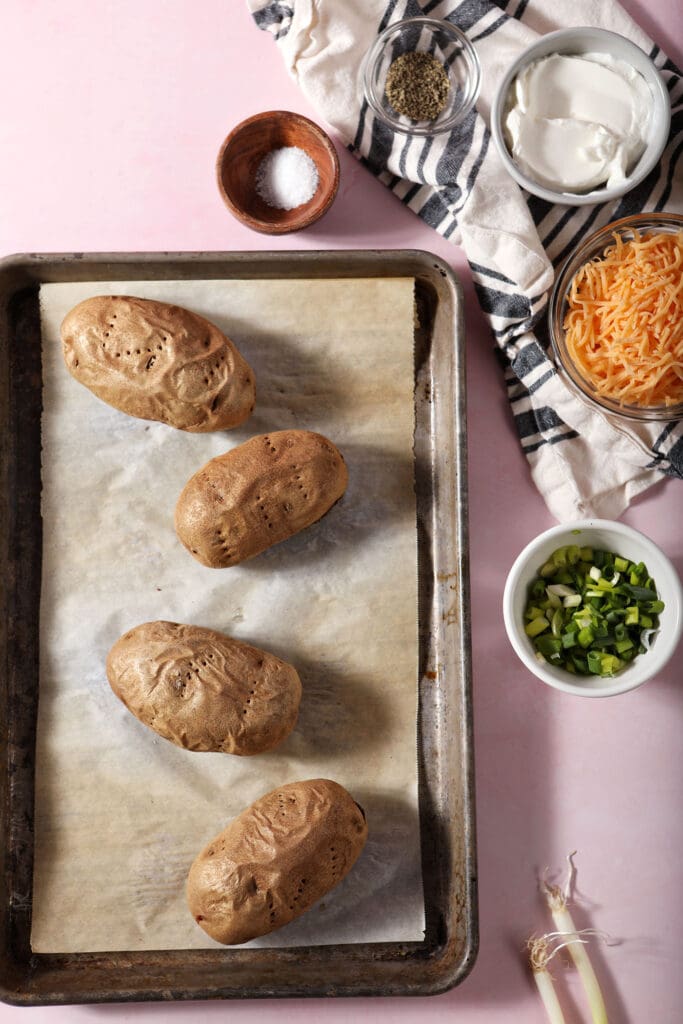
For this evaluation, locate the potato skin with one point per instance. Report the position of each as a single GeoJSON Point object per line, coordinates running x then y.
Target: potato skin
{"type": "Point", "coordinates": [158, 362]}
{"type": "Point", "coordinates": [203, 690]}
{"type": "Point", "coordinates": [275, 860]}
{"type": "Point", "coordinates": [258, 494]}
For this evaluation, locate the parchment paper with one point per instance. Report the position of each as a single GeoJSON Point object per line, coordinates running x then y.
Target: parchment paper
{"type": "Point", "coordinates": [120, 812]}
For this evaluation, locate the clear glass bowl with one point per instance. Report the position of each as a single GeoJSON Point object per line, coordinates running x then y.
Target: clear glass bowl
{"type": "Point", "coordinates": [424, 35]}
{"type": "Point", "coordinates": [593, 248]}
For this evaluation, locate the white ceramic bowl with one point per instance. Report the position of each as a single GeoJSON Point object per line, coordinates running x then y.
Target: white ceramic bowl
{"type": "Point", "coordinates": [608, 536]}
{"type": "Point", "coordinates": [577, 41]}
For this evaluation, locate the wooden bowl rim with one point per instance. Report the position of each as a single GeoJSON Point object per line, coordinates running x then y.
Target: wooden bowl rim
{"type": "Point", "coordinates": [295, 223]}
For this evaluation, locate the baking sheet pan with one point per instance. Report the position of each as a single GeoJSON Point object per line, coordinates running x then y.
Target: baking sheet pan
{"type": "Point", "coordinates": [444, 684]}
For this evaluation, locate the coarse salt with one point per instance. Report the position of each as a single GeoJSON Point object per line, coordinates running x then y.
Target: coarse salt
{"type": "Point", "coordinates": [286, 178]}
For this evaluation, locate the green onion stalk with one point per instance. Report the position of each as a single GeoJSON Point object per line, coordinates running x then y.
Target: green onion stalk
{"type": "Point", "coordinates": [557, 899]}
{"type": "Point", "coordinates": [540, 955]}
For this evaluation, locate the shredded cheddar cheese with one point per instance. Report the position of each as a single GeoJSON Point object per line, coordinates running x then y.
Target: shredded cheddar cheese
{"type": "Point", "coordinates": [624, 323]}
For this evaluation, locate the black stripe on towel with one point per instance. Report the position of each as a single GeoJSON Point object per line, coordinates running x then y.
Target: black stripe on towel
{"type": "Point", "coordinates": [469, 12]}
{"type": "Point", "coordinates": [456, 150]}
{"type": "Point", "coordinates": [477, 268]}
{"type": "Point", "coordinates": [519, 13]}
{"type": "Point", "coordinates": [514, 306]}
{"type": "Point", "coordinates": [491, 29]}
{"type": "Point", "coordinates": [566, 436]}
{"type": "Point", "coordinates": [528, 359]}
{"type": "Point", "coordinates": [381, 141]}
{"type": "Point", "coordinates": [666, 192]}
{"type": "Point", "coordinates": [659, 455]}
{"type": "Point", "coordinates": [537, 421]}
{"type": "Point", "coordinates": [675, 457]}
{"type": "Point", "coordinates": [388, 11]}
{"type": "Point", "coordinates": [275, 13]}
{"type": "Point", "coordinates": [558, 226]}
{"type": "Point", "coordinates": [538, 208]}
{"type": "Point", "coordinates": [561, 256]}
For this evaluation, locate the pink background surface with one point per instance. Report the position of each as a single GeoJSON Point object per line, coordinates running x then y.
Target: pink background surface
{"type": "Point", "coordinates": [113, 113]}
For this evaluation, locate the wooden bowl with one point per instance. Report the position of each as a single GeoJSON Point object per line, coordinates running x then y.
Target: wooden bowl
{"type": "Point", "coordinates": [240, 157]}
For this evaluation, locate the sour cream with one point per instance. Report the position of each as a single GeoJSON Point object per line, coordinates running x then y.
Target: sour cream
{"type": "Point", "coordinates": [577, 122]}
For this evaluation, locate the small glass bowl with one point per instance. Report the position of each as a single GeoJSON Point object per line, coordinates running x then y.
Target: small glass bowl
{"type": "Point", "coordinates": [425, 35]}
{"type": "Point", "coordinates": [593, 248]}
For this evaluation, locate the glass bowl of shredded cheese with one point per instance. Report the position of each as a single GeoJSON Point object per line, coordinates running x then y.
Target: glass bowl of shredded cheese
{"type": "Point", "coordinates": [616, 317]}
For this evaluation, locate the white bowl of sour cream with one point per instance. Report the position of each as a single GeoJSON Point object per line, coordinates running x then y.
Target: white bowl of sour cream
{"type": "Point", "coordinates": [582, 116]}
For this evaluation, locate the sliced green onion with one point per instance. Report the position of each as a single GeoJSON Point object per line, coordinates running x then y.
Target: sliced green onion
{"type": "Point", "coordinates": [560, 589]}
{"type": "Point", "coordinates": [594, 660]}
{"type": "Point", "coordinates": [586, 636]}
{"type": "Point", "coordinates": [536, 626]}
{"type": "Point", "coordinates": [591, 611]}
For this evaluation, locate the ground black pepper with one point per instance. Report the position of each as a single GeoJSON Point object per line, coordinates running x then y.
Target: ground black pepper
{"type": "Point", "coordinates": [417, 85]}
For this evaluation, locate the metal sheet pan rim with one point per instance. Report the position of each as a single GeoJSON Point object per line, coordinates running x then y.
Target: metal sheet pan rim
{"type": "Point", "coordinates": [434, 965]}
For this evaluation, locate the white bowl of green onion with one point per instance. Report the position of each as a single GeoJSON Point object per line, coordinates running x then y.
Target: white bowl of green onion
{"type": "Point", "coordinates": [593, 608]}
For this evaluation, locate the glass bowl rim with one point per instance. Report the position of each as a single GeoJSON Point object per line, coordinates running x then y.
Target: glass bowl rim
{"type": "Point", "coordinates": [436, 25]}
{"type": "Point", "coordinates": [580, 255]}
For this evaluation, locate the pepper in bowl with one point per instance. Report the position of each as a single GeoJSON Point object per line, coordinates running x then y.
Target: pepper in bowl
{"type": "Point", "coordinates": [421, 76]}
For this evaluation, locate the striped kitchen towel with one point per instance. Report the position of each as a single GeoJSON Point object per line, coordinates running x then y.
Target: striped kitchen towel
{"type": "Point", "coordinates": [583, 462]}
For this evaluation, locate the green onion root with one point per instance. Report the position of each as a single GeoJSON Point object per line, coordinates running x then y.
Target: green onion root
{"type": "Point", "coordinates": [538, 959]}
{"type": "Point", "coordinates": [557, 899]}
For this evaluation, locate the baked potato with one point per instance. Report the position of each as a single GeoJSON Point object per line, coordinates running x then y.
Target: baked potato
{"type": "Point", "coordinates": [258, 494]}
{"type": "Point", "coordinates": [275, 860]}
{"type": "Point", "coordinates": [159, 362]}
{"type": "Point", "coordinates": [203, 690]}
